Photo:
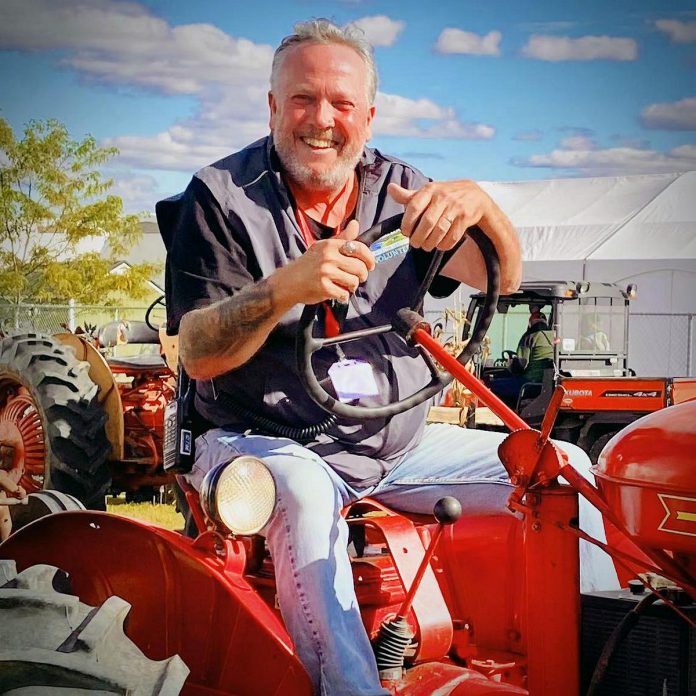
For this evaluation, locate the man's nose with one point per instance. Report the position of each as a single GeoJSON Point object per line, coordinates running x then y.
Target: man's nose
{"type": "Point", "coordinates": [324, 114]}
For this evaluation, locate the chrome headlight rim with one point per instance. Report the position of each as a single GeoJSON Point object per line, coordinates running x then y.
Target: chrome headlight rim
{"type": "Point", "coordinates": [209, 496]}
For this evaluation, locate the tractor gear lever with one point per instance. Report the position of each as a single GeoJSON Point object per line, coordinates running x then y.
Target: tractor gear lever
{"type": "Point", "coordinates": [395, 635]}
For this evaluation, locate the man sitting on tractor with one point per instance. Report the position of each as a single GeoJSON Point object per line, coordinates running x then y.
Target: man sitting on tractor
{"type": "Point", "coordinates": [274, 227]}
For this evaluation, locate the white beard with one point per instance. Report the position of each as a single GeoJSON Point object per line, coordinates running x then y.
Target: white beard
{"type": "Point", "coordinates": [329, 179]}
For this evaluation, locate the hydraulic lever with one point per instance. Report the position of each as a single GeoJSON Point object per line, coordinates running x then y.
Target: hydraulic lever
{"type": "Point", "coordinates": [395, 634]}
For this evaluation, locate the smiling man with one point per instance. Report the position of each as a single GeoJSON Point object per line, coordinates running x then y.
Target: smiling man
{"type": "Point", "coordinates": [321, 116]}
{"type": "Point", "coordinates": [272, 228]}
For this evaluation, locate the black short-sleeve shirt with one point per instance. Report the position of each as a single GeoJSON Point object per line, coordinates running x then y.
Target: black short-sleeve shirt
{"type": "Point", "coordinates": [235, 225]}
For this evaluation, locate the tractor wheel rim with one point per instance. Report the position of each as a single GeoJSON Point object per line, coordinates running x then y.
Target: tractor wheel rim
{"type": "Point", "coordinates": [20, 413]}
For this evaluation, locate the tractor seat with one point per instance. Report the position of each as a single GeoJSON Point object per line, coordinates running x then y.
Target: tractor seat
{"type": "Point", "coordinates": [118, 333]}
{"type": "Point", "coordinates": [154, 363]}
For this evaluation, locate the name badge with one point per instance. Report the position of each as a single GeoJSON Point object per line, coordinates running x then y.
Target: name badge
{"type": "Point", "coordinates": [389, 246]}
{"type": "Point", "coordinates": [353, 379]}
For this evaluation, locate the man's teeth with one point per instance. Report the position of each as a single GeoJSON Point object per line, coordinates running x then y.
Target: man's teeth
{"type": "Point", "coordinates": [314, 142]}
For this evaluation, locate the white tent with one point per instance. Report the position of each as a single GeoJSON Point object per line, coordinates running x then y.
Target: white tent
{"type": "Point", "coordinates": [623, 229]}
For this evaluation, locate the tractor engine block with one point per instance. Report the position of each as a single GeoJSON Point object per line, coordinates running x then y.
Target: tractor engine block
{"type": "Point", "coordinates": [144, 397]}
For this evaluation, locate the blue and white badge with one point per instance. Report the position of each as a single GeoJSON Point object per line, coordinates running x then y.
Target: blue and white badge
{"type": "Point", "coordinates": [389, 246]}
{"type": "Point", "coordinates": [353, 379]}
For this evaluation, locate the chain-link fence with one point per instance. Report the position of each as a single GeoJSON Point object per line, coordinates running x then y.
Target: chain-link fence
{"type": "Point", "coordinates": [659, 345]}
{"type": "Point", "coordinates": [662, 345]}
{"type": "Point", "coordinates": [50, 319]}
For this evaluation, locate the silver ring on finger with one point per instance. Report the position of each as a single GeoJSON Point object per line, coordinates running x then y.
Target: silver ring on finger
{"type": "Point", "coordinates": [349, 248]}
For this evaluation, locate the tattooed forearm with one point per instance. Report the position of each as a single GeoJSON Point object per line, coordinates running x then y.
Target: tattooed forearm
{"type": "Point", "coordinates": [239, 316]}
{"type": "Point", "coordinates": [232, 328]}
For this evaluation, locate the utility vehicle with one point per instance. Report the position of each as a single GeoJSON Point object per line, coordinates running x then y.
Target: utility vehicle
{"type": "Point", "coordinates": [589, 327]}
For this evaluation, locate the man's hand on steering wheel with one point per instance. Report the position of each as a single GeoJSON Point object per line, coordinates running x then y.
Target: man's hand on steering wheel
{"type": "Point", "coordinates": [438, 214]}
{"type": "Point", "coordinates": [331, 269]}
{"type": "Point", "coordinates": [406, 321]}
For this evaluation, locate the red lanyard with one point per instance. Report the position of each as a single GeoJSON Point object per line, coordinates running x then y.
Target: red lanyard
{"type": "Point", "coordinates": [303, 224]}
{"type": "Point", "coordinates": [331, 326]}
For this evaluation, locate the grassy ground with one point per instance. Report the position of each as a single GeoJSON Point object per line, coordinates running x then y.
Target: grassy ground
{"type": "Point", "coordinates": [160, 514]}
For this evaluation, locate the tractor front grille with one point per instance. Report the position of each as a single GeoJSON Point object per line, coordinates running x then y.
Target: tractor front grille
{"type": "Point", "coordinates": [658, 656]}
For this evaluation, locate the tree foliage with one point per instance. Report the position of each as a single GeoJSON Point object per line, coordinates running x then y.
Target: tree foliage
{"type": "Point", "coordinates": [53, 198]}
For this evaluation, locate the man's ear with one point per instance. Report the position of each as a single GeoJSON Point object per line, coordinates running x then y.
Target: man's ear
{"type": "Point", "coordinates": [370, 116]}
{"type": "Point", "coordinates": [272, 108]}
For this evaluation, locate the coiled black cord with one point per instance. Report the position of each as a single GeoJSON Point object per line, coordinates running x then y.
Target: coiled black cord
{"type": "Point", "coordinates": [266, 425]}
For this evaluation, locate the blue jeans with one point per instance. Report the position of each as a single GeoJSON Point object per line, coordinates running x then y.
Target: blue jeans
{"type": "Point", "coordinates": [307, 536]}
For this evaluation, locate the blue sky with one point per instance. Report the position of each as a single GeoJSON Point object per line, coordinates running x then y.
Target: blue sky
{"type": "Point", "coordinates": [502, 90]}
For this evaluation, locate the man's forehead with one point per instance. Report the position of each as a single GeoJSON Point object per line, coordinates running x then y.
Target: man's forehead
{"type": "Point", "coordinates": [338, 59]}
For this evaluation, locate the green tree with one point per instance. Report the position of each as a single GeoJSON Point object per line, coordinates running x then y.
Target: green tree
{"type": "Point", "coordinates": [52, 197]}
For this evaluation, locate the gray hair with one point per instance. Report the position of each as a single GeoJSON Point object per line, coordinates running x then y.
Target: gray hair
{"type": "Point", "coordinates": [323, 31]}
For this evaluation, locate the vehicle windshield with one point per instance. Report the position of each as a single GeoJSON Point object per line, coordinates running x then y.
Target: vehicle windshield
{"type": "Point", "coordinates": [507, 328]}
{"type": "Point", "coordinates": [584, 330]}
{"type": "Point", "coordinates": [592, 326]}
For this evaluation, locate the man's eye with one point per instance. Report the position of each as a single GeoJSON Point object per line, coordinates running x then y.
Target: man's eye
{"type": "Point", "coordinates": [302, 99]}
{"type": "Point", "coordinates": [343, 105]}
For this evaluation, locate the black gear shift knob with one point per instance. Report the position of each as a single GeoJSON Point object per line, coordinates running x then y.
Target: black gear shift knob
{"type": "Point", "coordinates": [447, 510]}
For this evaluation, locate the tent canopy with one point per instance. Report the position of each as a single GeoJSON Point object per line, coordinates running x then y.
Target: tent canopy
{"type": "Point", "coordinates": [603, 218]}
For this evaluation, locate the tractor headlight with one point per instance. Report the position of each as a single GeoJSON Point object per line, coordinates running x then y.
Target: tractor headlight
{"type": "Point", "coordinates": [240, 495]}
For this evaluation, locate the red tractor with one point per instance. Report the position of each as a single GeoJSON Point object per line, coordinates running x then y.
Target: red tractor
{"type": "Point", "coordinates": [82, 420]}
{"type": "Point", "coordinates": [461, 605]}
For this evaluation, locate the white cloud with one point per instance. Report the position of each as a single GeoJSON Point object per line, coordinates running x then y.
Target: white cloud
{"type": "Point", "coordinates": [632, 142]}
{"type": "Point", "coordinates": [685, 152]}
{"type": "Point", "coordinates": [678, 32]}
{"type": "Point", "coordinates": [226, 121]}
{"type": "Point", "coordinates": [138, 191]}
{"type": "Point", "coordinates": [380, 30]}
{"type": "Point", "coordinates": [680, 115]}
{"type": "Point", "coordinates": [560, 48]}
{"type": "Point", "coordinates": [452, 40]}
{"type": "Point", "coordinates": [589, 160]}
{"type": "Point", "coordinates": [123, 43]}
{"type": "Point", "coordinates": [578, 142]}
{"type": "Point", "coordinates": [423, 118]}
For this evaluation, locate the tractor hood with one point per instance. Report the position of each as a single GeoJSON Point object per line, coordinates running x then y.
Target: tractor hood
{"type": "Point", "coordinates": [647, 475]}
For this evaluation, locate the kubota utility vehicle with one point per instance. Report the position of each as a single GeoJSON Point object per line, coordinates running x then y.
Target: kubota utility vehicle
{"type": "Point", "coordinates": [462, 605]}
{"type": "Point", "coordinates": [588, 324]}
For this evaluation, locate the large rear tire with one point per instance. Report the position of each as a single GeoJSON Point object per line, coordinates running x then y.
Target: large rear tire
{"type": "Point", "coordinates": [49, 403]}
{"type": "Point", "coordinates": [51, 642]}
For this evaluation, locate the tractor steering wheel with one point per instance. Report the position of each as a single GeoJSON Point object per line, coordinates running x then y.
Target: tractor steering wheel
{"type": "Point", "coordinates": [307, 344]}
{"type": "Point", "coordinates": [148, 313]}
{"type": "Point", "coordinates": [509, 355]}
